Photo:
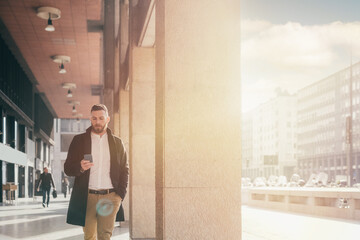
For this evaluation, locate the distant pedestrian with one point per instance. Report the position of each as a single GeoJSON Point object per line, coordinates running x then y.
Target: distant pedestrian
{"type": "Point", "coordinates": [64, 186]}
{"type": "Point", "coordinates": [71, 184]}
{"type": "Point", "coordinates": [45, 183]}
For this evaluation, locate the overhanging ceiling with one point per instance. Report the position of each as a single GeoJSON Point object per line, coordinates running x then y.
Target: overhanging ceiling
{"type": "Point", "coordinates": [70, 38]}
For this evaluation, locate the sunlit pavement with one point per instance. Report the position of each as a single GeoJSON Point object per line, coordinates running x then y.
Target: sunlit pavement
{"type": "Point", "coordinates": [30, 221]}
{"type": "Point", "coordinates": [260, 224]}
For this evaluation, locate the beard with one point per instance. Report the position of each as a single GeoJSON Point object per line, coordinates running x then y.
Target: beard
{"type": "Point", "coordinates": [98, 128]}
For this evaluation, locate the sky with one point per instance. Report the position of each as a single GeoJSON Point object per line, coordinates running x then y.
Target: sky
{"type": "Point", "coordinates": [290, 44]}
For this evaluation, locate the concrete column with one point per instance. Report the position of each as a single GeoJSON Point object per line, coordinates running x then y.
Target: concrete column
{"type": "Point", "coordinates": [142, 144]}
{"type": "Point", "coordinates": [124, 117]}
{"type": "Point", "coordinates": [109, 57]}
{"type": "Point", "coordinates": [26, 185]}
{"type": "Point", "coordinates": [16, 180]}
{"type": "Point", "coordinates": [123, 94]}
{"type": "Point", "coordinates": [124, 134]}
{"type": "Point", "coordinates": [116, 115]}
{"type": "Point", "coordinates": [198, 117]}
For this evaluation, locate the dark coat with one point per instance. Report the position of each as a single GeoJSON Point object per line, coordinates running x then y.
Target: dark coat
{"type": "Point", "coordinates": [46, 181]}
{"type": "Point", "coordinates": [119, 173]}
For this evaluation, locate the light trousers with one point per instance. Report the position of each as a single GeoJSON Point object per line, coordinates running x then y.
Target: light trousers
{"type": "Point", "coordinates": [95, 223]}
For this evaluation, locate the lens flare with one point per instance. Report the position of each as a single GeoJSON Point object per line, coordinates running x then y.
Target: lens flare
{"type": "Point", "coordinates": [104, 207]}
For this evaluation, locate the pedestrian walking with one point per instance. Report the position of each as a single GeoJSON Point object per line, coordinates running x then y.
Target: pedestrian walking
{"type": "Point", "coordinates": [45, 183]}
{"type": "Point", "coordinates": [64, 186]}
{"type": "Point", "coordinates": [71, 184]}
{"type": "Point", "coordinates": [99, 163]}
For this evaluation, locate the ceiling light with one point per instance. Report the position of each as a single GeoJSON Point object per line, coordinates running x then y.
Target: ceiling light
{"type": "Point", "coordinates": [61, 60]}
{"type": "Point", "coordinates": [69, 86]}
{"type": "Point", "coordinates": [69, 94]}
{"type": "Point", "coordinates": [77, 115]}
{"type": "Point", "coordinates": [50, 27]}
{"type": "Point", "coordinates": [62, 69]}
{"type": "Point", "coordinates": [49, 13]}
{"type": "Point", "coordinates": [73, 103]}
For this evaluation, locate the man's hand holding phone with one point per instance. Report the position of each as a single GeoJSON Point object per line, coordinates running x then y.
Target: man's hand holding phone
{"type": "Point", "coordinates": [87, 162]}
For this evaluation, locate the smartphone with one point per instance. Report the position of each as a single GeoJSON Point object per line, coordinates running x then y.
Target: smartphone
{"type": "Point", "coordinates": [88, 157]}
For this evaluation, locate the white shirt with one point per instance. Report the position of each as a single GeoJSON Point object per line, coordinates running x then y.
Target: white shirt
{"type": "Point", "coordinates": [100, 172]}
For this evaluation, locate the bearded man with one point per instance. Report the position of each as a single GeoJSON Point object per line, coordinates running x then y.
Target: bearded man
{"type": "Point", "coordinates": [99, 163]}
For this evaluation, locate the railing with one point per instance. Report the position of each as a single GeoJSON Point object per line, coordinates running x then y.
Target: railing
{"type": "Point", "coordinates": [326, 202]}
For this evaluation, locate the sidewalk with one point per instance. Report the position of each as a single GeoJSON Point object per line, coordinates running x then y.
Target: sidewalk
{"type": "Point", "coordinates": [35, 200]}
{"type": "Point", "coordinates": [26, 219]}
{"type": "Point", "coordinates": [261, 224]}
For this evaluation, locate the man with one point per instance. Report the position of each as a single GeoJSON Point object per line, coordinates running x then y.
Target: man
{"type": "Point", "coordinates": [64, 186]}
{"type": "Point", "coordinates": [45, 181]}
{"type": "Point", "coordinates": [71, 184]}
{"type": "Point", "coordinates": [100, 185]}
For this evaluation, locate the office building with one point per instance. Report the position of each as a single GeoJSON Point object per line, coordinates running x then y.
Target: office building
{"type": "Point", "coordinates": [323, 112]}
{"type": "Point", "coordinates": [269, 138]}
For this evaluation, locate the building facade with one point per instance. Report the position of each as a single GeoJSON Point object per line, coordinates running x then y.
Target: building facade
{"type": "Point", "coordinates": [26, 121]}
{"type": "Point", "coordinates": [269, 138]}
{"type": "Point", "coordinates": [323, 112]}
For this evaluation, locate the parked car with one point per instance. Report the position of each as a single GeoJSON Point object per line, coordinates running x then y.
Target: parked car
{"type": "Point", "coordinates": [317, 180]}
{"type": "Point", "coordinates": [282, 181]}
{"type": "Point", "coordinates": [246, 182]}
{"type": "Point", "coordinates": [296, 181]}
{"type": "Point", "coordinates": [260, 182]}
{"type": "Point", "coordinates": [272, 181]}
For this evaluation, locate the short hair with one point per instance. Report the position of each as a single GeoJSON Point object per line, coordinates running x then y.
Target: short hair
{"type": "Point", "coordinates": [100, 107]}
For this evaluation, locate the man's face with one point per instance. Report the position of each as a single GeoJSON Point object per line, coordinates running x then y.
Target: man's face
{"type": "Point", "coordinates": [99, 121]}
{"type": "Point", "coordinates": [46, 170]}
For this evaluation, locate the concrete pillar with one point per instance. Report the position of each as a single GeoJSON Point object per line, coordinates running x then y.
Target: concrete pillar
{"type": "Point", "coordinates": [116, 108]}
{"type": "Point", "coordinates": [124, 117]}
{"type": "Point", "coordinates": [16, 181]}
{"type": "Point", "coordinates": [26, 185]}
{"type": "Point", "coordinates": [198, 117]}
{"type": "Point", "coordinates": [142, 144]}
{"type": "Point", "coordinates": [124, 134]}
{"type": "Point", "coordinates": [109, 58]}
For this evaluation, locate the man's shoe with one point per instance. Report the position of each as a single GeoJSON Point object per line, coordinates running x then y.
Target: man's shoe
{"type": "Point", "coordinates": [47, 205]}
{"type": "Point", "coordinates": [43, 205]}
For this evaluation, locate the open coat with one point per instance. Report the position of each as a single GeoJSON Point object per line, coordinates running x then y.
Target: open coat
{"type": "Point", "coordinates": [119, 173]}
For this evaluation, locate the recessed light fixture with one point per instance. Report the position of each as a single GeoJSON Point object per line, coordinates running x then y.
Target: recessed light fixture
{"type": "Point", "coordinates": [61, 60]}
{"type": "Point", "coordinates": [50, 14]}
